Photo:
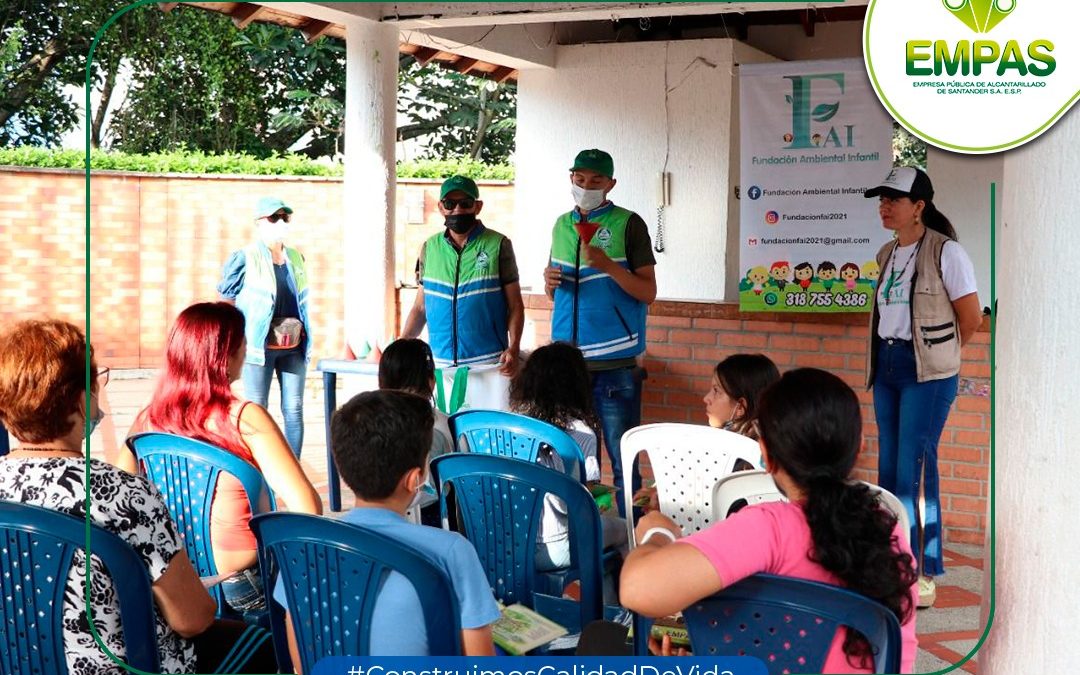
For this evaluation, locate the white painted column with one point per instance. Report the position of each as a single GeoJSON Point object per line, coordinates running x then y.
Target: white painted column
{"type": "Point", "coordinates": [1037, 425]}
{"type": "Point", "coordinates": [370, 179]}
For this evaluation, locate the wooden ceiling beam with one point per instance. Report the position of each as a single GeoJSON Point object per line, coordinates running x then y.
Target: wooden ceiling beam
{"type": "Point", "coordinates": [502, 74]}
{"type": "Point", "coordinates": [464, 64]}
{"type": "Point", "coordinates": [244, 13]}
{"type": "Point", "coordinates": [315, 29]}
{"type": "Point", "coordinates": [425, 55]}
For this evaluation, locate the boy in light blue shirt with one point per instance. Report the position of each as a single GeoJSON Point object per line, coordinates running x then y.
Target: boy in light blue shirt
{"type": "Point", "coordinates": [381, 441]}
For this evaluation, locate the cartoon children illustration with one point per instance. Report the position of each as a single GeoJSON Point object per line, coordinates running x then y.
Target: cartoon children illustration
{"type": "Point", "coordinates": [871, 272]}
{"type": "Point", "coordinates": [780, 271]}
{"type": "Point", "coordinates": [804, 274]}
{"type": "Point", "coordinates": [758, 276]}
{"type": "Point", "coordinates": [826, 274]}
{"type": "Point", "coordinates": [849, 272]}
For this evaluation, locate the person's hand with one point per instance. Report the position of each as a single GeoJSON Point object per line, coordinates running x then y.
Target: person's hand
{"type": "Point", "coordinates": [552, 279]}
{"type": "Point", "coordinates": [647, 499]}
{"type": "Point", "coordinates": [597, 259]}
{"type": "Point", "coordinates": [656, 519]}
{"type": "Point", "coordinates": [508, 362]}
{"type": "Point", "coordinates": [663, 647]}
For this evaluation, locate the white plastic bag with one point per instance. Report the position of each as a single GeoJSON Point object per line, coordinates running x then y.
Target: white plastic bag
{"type": "Point", "coordinates": [471, 387]}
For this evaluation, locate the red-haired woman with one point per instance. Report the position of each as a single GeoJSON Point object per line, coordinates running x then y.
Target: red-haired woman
{"type": "Point", "coordinates": [204, 355]}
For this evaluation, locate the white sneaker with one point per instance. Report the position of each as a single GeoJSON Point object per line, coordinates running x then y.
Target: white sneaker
{"type": "Point", "coordinates": [927, 592]}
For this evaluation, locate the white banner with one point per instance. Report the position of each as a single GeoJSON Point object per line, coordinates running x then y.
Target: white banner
{"type": "Point", "coordinates": [813, 138]}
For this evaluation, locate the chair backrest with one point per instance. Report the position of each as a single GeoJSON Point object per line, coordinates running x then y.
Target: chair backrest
{"type": "Point", "coordinates": [500, 501]}
{"type": "Point", "coordinates": [757, 486]}
{"type": "Point", "coordinates": [754, 487]}
{"type": "Point", "coordinates": [507, 434]}
{"type": "Point", "coordinates": [687, 460]}
{"type": "Point", "coordinates": [186, 471]}
{"type": "Point", "coordinates": [39, 546]}
{"type": "Point", "coordinates": [789, 624]}
{"type": "Point", "coordinates": [333, 571]}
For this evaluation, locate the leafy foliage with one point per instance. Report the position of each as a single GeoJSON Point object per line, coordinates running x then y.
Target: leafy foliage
{"type": "Point", "coordinates": [45, 44]}
{"type": "Point", "coordinates": [233, 163]}
{"type": "Point", "coordinates": [907, 149]}
{"type": "Point", "coordinates": [458, 115]}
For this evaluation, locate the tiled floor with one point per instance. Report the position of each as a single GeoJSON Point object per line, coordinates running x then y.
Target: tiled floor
{"type": "Point", "coordinates": [947, 631]}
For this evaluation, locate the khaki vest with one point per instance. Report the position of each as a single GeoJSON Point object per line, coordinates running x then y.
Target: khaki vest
{"type": "Point", "coordinates": [934, 328]}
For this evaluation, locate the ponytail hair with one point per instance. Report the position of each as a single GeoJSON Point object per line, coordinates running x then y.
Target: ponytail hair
{"type": "Point", "coordinates": [937, 221]}
{"type": "Point", "coordinates": [811, 426]}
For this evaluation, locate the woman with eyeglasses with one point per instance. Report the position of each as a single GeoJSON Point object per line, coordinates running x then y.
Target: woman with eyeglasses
{"type": "Point", "coordinates": [268, 282]}
{"type": "Point", "coordinates": [44, 402]}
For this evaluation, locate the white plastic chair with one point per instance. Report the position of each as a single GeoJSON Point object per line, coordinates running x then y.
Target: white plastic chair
{"type": "Point", "coordinates": [687, 461]}
{"type": "Point", "coordinates": [756, 487]}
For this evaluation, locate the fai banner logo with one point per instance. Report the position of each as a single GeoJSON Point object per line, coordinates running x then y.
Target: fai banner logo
{"type": "Point", "coordinates": [958, 75]}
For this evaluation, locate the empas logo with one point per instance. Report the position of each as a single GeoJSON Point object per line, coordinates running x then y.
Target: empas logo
{"type": "Point", "coordinates": [803, 112]}
{"type": "Point", "coordinates": [961, 60]}
{"type": "Point", "coordinates": [969, 58]}
{"type": "Point", "coordinates": [980, 15]}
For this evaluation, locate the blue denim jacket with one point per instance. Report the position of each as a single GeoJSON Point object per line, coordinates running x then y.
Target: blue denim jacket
{"type": "Point", "coordinates": [254, 291]}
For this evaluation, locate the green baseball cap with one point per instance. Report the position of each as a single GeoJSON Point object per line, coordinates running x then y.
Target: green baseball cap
{"type": "Point", "coordinates": [459, 184]}
{"type": "Point", "coordinates": [595, 160]}
{"type": "Point", "coordinates": [270, 205]}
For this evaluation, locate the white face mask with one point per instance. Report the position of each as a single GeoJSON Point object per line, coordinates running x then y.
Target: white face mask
{"type": "Point", "coordinates": [273, 233]}
{"type": "Point", "coordinates": [586, 200]}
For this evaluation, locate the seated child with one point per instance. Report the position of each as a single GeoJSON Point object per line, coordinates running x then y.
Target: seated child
{"type": "Point", "coordinates": [407, 364]}
{"type": "Point", "coordinates": [381, 441]}
{"type": "Point", "coordinates": [553, 386]}
{"type": "Point", "coordinates": [832, 530]}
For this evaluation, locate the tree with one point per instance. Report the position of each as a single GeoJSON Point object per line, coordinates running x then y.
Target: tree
{"type": "Point", "coordinates": [907, 149]}
{"type": "Point", "coordinates": [191, 88]}
{"type": "Point", "coordinates": [45, 46]}
{"type": "Point", "coordinates": [463, 116]}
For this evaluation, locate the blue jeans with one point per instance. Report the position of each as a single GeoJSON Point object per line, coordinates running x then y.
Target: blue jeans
{"type": "Point", "coordinates": [244, 591]}
{"type": "Point", "coordinates": [617, 397]}
{"type": "Point", "coordinates": [910, 418]}
{"type": "Point", "coordinates": [291, 368]}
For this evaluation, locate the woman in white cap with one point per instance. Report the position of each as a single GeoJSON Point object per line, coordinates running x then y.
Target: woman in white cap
{"type": "Point", "coordinates": [925, 309]}
{"type": "Point", "coordinates": [267, 281]}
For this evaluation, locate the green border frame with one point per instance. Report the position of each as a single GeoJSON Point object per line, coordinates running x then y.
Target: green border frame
{"type": "Point", "coordinates": [993, 304]}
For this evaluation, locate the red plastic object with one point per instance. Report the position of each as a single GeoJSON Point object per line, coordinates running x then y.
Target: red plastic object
{"type": "Point", "coordinates": [586, 230]}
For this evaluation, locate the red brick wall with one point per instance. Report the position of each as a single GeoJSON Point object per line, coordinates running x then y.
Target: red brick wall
{"type": "Point", "coordinates": [686, 340]}
{"type": "Point", "coordinates": [158, 243]}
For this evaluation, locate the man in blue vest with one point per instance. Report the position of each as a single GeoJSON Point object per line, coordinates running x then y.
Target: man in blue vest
{"type": "Point", "coordinates": [469, 295]}
{"type": "Point", "coordinates": [602, 279]}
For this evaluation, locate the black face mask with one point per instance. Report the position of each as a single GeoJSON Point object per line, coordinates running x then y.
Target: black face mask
{"type": "Point", "coordinates": [460, 223]}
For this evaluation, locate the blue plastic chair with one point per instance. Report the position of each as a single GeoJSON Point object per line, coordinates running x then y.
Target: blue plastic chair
{"type": "Point", "coordinates": [500, 500]}
{"type": "Point", "coordinates": [507, 434]}
{"type": "Point", "coordinates": [789, 623]}
{"type": "Point", "coordinates": [332, 572]}
{"type": "Point", "coordinates": [39, 547]}
{"type": "Point", "coordinates": [186, 471]}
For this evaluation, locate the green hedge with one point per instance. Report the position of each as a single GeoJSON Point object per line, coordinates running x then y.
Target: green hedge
{"type": "Point", "coordinates": [198, 162]}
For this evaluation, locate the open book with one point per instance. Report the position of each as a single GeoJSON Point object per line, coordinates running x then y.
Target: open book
{"type": "Point", "coordinates": [520, 630]}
